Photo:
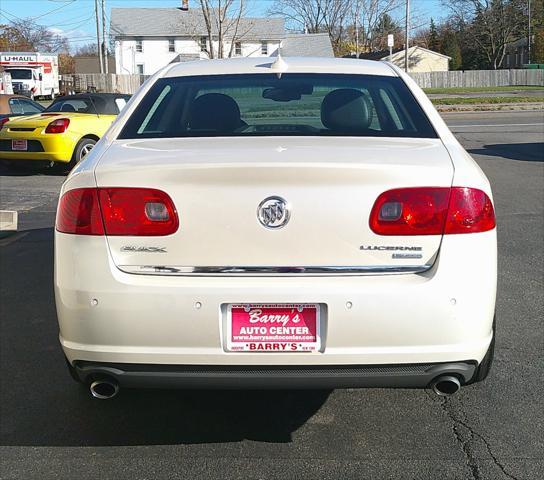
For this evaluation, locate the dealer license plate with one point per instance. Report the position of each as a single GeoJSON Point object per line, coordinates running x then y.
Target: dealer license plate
{"type": "Point", "coordinates": [273, 327]}
{"type": "Point", "coordinates": [19, 145]}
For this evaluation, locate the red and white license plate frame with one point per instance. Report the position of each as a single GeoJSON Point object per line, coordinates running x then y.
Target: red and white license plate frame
{"type": "Point", "coordinates": [293, 328]}
{"type": "Point", "coordinates": [19, 144]}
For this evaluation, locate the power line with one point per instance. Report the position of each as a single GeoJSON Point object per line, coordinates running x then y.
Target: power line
{"type": "Point", "coordinates": [69, 2]}
{"type": "Point", "coordinates": [75, 20]}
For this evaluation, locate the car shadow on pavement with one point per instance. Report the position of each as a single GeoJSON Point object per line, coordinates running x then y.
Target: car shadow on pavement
{"type": "Point", "coordinates": [528, 152]}
{"type": "Point", "coordinates": [30, 170]}
{"type": "Point", "coordinates": [40, 405]}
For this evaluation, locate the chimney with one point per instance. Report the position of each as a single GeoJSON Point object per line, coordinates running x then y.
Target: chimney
{"type": "Point", "coordinates": [184, 5]}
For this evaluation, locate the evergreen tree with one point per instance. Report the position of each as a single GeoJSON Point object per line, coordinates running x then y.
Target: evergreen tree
{"type": "Point", "coordinates": [453, 50]}
{"type": "Point", "coordinates": [538, 47]}
{"type": "Point", "coordinates": [386, 25]}
{"type": "Point", "coordinates": [434, 42]}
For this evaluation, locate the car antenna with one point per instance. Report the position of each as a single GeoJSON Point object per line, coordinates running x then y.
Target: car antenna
{"type": "Point", "coordinates": [279, 65]}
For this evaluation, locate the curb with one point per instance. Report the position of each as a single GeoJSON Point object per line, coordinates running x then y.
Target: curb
{"type": "Point", "coordinates": [490, 107]}
{"type": "Point", "coordinates": [8, 220]}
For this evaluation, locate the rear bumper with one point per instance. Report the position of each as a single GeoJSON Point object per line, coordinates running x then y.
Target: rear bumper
{"type": "Point", "coordinates": [257, 377]}
{"type": "Point", "coordinates": [50, 148]}
{"type": "Point", "coordinates": [109, 317]}
{"type": "Point", "coordinates": [34, 156]}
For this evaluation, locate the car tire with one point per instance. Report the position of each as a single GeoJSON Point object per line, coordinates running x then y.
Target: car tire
{"type": "Point", "coordinates": [485, 365]}
{"type": "Point", "coordinates": [84, 146]}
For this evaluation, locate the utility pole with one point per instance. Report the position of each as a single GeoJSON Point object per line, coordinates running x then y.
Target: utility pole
{"type": "Point", "coordinates": [98, 43]}
{"type": "Point", "coordinates": [407, 36]}
{"type": "Point", "coordinates": [529, 37]}
{"type": "Point", "coordinates": [357, 29]}
{"type": "Point", "coordinates": [104, 36]}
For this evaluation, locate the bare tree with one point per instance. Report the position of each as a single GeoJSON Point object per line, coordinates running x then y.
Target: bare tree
{"type": "Point", "coordinates": [369, 14]}
{"type": "Point", "coordinates": [421, 37]}
{"type": "Point", "coordinates": [223, 21]}
{"type": "Point", "coordinates": [26, 35]}
{"type": "Point", "coordinates": [493, 24]}
{"type": "Point", "coordinates": [88, 50]}
{"type": "Point", "coordinates": [315, 16]}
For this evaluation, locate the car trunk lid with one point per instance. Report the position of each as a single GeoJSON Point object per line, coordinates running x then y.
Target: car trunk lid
{"type": "Point", "coordinates": [330, 184]}
{"type": "Point", "coordinates": [39, 121]}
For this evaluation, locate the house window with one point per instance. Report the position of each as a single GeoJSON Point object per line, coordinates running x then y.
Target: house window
{"type": "Point", "coordinates": [264, 48]}
{"type": "Point", "coordinates": [238, 48]}
{"type": "Point", "coordinates": [139, 46]}
{"type": "Point", "coordinates": [203, 44]}
{"type": "Point", "coordinates": [171, 45]}
{"type": "Point", "coordinates": [140, 68]}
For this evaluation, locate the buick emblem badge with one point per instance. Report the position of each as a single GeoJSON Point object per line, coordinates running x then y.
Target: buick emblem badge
{"type": "Point", "coordinates": [273, 212]}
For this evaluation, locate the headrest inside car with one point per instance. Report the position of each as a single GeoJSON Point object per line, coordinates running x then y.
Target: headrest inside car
{"type": "Point", "coordinates": [67, 107]}
{"type": "Point", "coordinates": [214, 111]}
{"type": "Point", "coordinates": [346, 109]}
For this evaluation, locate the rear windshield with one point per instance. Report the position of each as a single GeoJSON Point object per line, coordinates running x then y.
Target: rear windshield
{"type": "Point", "coordinates": [265, 105]}
{"type": "Point", "coordinates": [79, 105]}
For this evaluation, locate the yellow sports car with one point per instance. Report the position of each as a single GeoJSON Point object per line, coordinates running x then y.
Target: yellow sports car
{"type": "Point", "coordinates": [63, 133]}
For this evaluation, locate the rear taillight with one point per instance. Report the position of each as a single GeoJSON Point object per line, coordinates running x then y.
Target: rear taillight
{"type": "Point", "coordinates": [3, 121]}
{"type": "Point", "coordinates": [58, 126]}
{"type": "Point", "coordinates": [79, 212]}
{"type": "Point", "coordinates": [137, 211]}
{"type": "Point", "coordinates": [470, 211]}
{"type": "Point", "coordinates": [432, 211]}
{"type": "Point", "coordinates": [117, 211]}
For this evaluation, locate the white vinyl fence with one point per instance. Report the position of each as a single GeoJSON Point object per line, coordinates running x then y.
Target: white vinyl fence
{"type": "Point", "coordinates": [113, 83]}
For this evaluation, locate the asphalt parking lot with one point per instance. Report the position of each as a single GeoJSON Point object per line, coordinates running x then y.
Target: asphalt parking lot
{"type": "Point", "coordinates": [51, 428]}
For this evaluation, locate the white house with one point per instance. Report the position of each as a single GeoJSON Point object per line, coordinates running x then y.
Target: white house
{"type": "Point", "coordinates": [146, 39]}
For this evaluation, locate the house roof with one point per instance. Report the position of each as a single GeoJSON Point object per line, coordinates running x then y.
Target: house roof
{"type": "Point", "coordinates": [174, 22]}
{"type": "Point", "coordinates": [385, 53]}
{"type": "Point", "coordinates": [306, 45]}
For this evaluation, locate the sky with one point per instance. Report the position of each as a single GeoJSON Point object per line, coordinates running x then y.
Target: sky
{"type": "Point", "coordinates": [75, 18]}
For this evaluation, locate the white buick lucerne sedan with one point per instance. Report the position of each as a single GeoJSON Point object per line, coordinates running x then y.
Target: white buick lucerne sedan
{"type": "Point", "coordinates": [277, 223]}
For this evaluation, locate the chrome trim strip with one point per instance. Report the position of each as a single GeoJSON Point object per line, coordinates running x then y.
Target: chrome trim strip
{"type": "Point", "coordinates": [176, 270]}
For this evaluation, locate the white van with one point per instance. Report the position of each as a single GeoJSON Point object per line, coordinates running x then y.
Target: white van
{"type": "Point", "coordinates": [33, 74]}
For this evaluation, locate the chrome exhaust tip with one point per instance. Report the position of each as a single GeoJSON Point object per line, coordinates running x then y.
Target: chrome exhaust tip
{"type": "Point", "coordinates": [445, 385]}
{"type": "Point", "coordinates": [104, 389]}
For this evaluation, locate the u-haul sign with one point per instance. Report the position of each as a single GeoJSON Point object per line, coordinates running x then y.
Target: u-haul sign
{"type": "Point", "coordinates": [18, 58]}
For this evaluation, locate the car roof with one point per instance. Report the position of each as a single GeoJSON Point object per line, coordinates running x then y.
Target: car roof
{"type": "Point", "coordinates": [286, 65]}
